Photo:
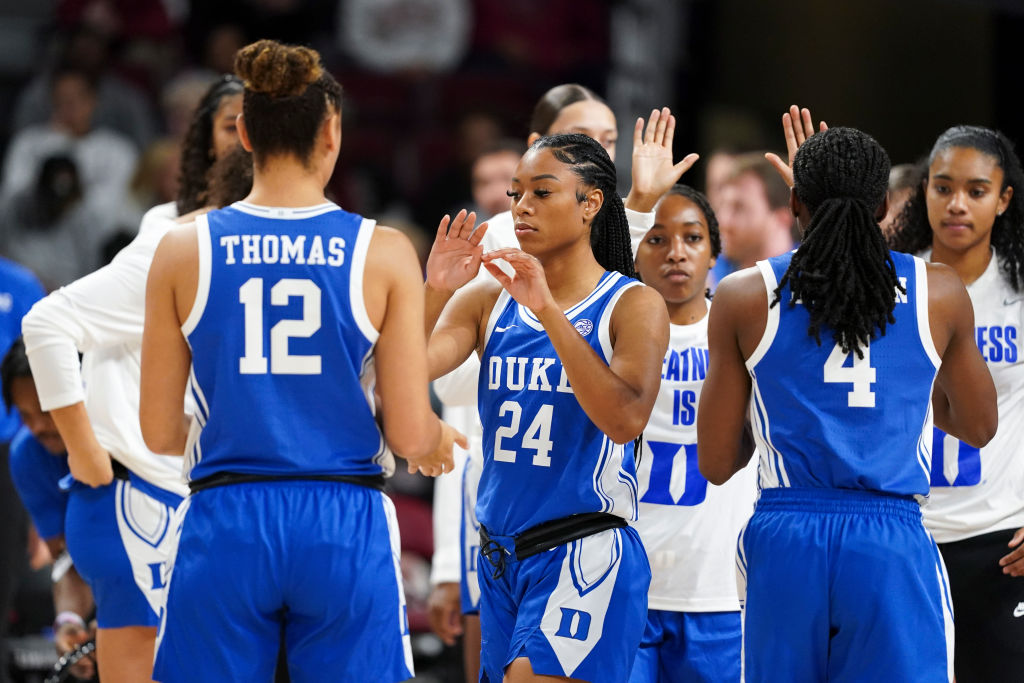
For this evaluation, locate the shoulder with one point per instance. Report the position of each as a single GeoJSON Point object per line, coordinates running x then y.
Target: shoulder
{"type": "Point", "coordinates": [20, 276]}
{"type": "Point", "coordinates": [745, 287]}
{"type": "Point", "coordinates": [942, 281]}
{"type": "Point", "coordinates": [157, 216]}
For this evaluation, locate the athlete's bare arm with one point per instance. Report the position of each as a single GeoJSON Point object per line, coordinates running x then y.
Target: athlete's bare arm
{"type": "Point", "coordinates": [964, 399]}
{"type": "Point", "coordinates": [736, 324]}
{"type": "Point", "coordinates": [166, 357]}
{"type": "Point", "coordinates": [393, 293]}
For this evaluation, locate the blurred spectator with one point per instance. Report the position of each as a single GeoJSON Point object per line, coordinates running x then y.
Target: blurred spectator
{"type": "Point", "coordinates": [119, 105]}
{"type": "Point", "coordinates": [753, 216]}
{"type": "Point", "coordinates": [49, 228]}
{"type": "Point", "coordinates": [404, 35]}
{"type": "Point", "coordinates": [105, 159]}
{"type": "Point", "coordinates": [717, 169]}
{"type": "Point", "coordinates": [491, 177]}
{"type": "Point", "coordinates": [450, 187]}
{"type": "Point", "coordinates": [903, 180]}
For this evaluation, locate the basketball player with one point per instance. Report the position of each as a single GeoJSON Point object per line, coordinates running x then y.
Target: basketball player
{"type": "Point", "coordinates": [969, 214]}
{"type": "Point", "coordinates": [566, 108]}
{"type": "Point", "coordinates": [567, 378]}
{"type": "Point", "coordinates": [278, 313]}
{"type": "Point", "coordinates": [101, 316]}
{"type": "Point", "coordinates": [835, 348]}
{"type": "Point", "coordinates": [688, 528]}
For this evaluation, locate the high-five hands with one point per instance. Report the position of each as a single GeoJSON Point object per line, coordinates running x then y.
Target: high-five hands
{"type": "Point", "coordinates": [441, 460]}
{"type": "Point", "coordinates": [797, 126]}
{"type": "Point", "coordinates": [455, 256]}
{"type": "Point", "coordinates": [653, 170]}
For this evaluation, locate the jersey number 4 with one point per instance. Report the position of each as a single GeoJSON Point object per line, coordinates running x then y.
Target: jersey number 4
{"type": "Point", "coordinates": [254, 362]}
{"type": "Point", "coordinates": [860, 374]}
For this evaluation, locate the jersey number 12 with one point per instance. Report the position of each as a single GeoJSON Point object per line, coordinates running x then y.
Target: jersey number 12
{"type": "Point", "coordinates": [254, 362]}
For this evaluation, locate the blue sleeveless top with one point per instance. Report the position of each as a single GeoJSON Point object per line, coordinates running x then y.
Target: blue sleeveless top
{"type": "Point", "coordinates": [282, 347]}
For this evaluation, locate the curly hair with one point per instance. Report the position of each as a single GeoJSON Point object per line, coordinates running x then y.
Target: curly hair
{"type": "Point", "coordinates": [912, 232]}
{"type": "Point", "coordinates": [609, 232]}
{"type": "Point", "coordinates": [842, 272]}
{"type": "Point", "coordinates": [197, 150]}
{"type": "Point", "coordinates": [288, 94]}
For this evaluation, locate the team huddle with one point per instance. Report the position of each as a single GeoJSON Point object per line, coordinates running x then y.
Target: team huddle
{"type": "Point", "coordinates": [640, 485]}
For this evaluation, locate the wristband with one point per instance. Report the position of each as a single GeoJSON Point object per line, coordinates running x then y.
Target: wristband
{"type": "Point", "coordinates": [61, 565]}
{"type": "Point", "coordinates": [68, 617]}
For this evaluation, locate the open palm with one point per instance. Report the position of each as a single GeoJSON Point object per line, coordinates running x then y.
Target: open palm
{"type": "Point", "coordinates": [455, 256]}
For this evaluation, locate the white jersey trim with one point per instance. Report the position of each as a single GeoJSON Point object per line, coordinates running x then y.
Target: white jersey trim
{"type": "Point", "coordinates": [923, 323]}
{"type": "Point", "coordinates": [771, 326]}
{"type": "Point", "coordinates": [355, 287]}
{"type": "Point", "coordinates": [604, 334]}
{"type": "Point", "coordinates": [203, 285]}
{"type": "Point", "coordinates": [602, 286]}
{"type": "Point", "coordinates": [285, 212]}
{"type": "Point", "coordinates": [492, 319]}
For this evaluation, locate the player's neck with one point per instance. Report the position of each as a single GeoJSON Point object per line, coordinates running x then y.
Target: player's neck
{"type": "Point", "coordinates": [687, 312]}
{"type": "Point", "coordinates": [286, 185]}
{"type": "Point", "coordinates": [969, 264]}
{"type": "Point", "coordinates": [572, 275]}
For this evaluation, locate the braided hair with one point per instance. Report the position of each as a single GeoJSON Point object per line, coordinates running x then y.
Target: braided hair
{"type": "Point", "coordinates": [609, 232]}
{"type": "Point", "coordinates": [843, 271]}
{"type": "Point", "coordinates": [698, 198]}
{"type": "Point", "coordinates": [912, 232]}
{"type": "Point", "coordinates": [197, 149]}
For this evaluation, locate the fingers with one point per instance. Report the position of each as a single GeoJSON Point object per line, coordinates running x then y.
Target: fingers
{"type": "Point", "coordinates": [478, 234]}
{"type": "Point", "coordinates": [822, 126]}
{"type": "Point", "coordinates": [782, 167]}
{"type": "Point", "coordinates": [663, 121]}
{"type": "Point", "coordinates": [1013, 563]}
{"type": "Point", "coordinates": [461, 439]}
{"type": "Point", "coordinates": [670, 129]}
{"type": "Point", "coordinates": [638, 133]}
{"type": "Point", "coordinates": [686, 164]}
{"type": "Point", "coordinates": [808, 125]}
{"type": "Point", "coordinates": [498, 274]}
{"type": "Point", "coordinates": [790, 134]}
{"type": "Point", "coordinates": [652, 126]}
{"type": "Point", "coordinates": [442, 228]}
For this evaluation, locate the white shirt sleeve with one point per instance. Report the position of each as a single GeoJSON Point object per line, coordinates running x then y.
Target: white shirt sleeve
{"type": "Point", "coordinates": [104, 308]}
{"type": "Point", "coordinates": [639, 223]}
{"type": "Point", "coordinates": [446, 564]}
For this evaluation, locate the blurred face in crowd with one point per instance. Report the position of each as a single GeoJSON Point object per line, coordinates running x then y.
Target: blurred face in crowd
{"type": "Point", "coordinates": [675, 255]}
{"type": "Point", "coordinates": [23, 394]}
{"type": "Point", "coordinates": [73, 104]}
{"type": "Point", "coordinates": [225, 127]}
{"type": "Point", "coordinates": [717, 172]}
{"type": "Point", "coordinates": [964, 197]}
{"type": "Point", "coordinates": [745, 219]}
{"type": "Point", "coordinates": [492, 175]}
{"type": "Point", "coordinates": [587, 117]}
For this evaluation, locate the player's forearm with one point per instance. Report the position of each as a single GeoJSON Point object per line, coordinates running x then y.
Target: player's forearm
{"type": "Point", "coordinates": [88, 460]}
{"type": "Point", "coordinates": [616, 408]}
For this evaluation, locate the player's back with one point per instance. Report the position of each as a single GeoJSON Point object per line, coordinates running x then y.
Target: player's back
{"type": "Point", "coordinates": [282, 346]}
{"type": "Point", "coordinates": [824, 418]}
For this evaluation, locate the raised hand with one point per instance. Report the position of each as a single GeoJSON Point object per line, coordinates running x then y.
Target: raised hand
{"type": "Point", "coordinates": [455, 256]}
{"type": "Point", "coordinates": [797, 126]}
{"type": "Point", "coordinates": [528, 287]}
{"type": "Point", "coordinates": [653, 170]}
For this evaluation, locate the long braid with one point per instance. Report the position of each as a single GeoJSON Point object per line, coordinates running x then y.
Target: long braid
{"type": "Point", "coordinates": [609, 232]}
{"type": "Point", "coordinates": [843, 272]}
{"type": "Point", "coordinates": [912, 232]}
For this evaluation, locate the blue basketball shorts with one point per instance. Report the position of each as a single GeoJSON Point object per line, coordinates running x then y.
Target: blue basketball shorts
{"type": "Point", "coordinates": [319, 559]}
{"type": "Point", "coordinates": [689, 647]}
{"type": "Point", "coordinates": [577, 610]}
{"type": "Point", "coordinates": [120, 537]}
{"type": "Point", "coordinates": [842, 585]}
{"type": "Point", "coordinates": [469, 582]}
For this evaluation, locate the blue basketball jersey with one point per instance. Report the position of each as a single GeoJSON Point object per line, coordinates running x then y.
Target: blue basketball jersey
{"type": "Point", "coordinates": [282, 346]}
{"type": "Point", "coordinates": [543, 457]}
{"type": "Point", "coordinates": [824, 418]}
{"type": "Point", "coordinates": [37, 476]}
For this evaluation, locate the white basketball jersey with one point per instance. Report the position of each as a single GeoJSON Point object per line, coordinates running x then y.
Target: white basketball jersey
{"type": "Point", "coordinates": [688, 526]}
{"type": "Point", "coordinates": [977, 491]}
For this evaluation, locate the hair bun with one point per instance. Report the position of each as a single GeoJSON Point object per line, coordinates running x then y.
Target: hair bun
{"type": "Point", "coordinates": [278, 70]}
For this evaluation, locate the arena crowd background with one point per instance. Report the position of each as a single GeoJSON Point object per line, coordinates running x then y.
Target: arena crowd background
{"type": "Point", "coordinates": [430, 83]}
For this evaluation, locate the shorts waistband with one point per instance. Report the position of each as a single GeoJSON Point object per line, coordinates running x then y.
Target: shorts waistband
{"type": "Point", "coordinates": [372, 481]}
{"type": "Point", "coordinates": [498, 550]}
{"type": "Point", "coordinates": [839, 501]}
